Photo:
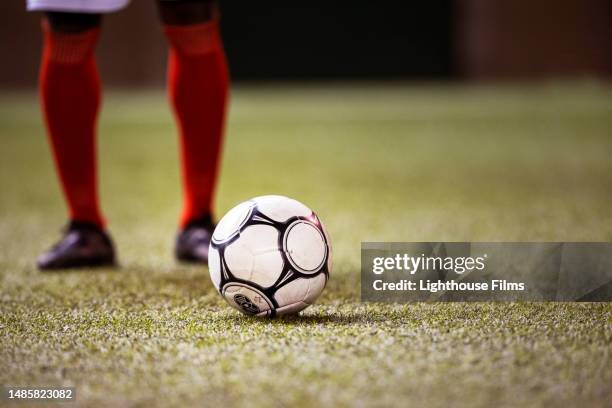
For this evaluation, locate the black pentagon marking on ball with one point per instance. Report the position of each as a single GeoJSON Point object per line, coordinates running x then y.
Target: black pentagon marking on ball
{"type": "Point", "coordinates": [288, 274]}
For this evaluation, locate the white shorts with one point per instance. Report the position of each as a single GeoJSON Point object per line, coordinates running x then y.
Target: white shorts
{"type": "Point", "coordinates": [80, 6]}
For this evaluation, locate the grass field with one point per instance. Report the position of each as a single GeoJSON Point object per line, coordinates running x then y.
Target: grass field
{"type": "Point", "coordinates": [389, 163]}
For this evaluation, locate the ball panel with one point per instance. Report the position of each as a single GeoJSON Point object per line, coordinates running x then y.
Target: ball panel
{"type": "Point", "coordinates": [305, 246]}
{"type": "Point", "coordinates": [231, 223]}
{"type": "Point", "coordinates": [239, 260]}
{"type": "Point", "coordinates": [254, 256]}
{"type": "Point", "coordinates": [259, 238]}
{"type": "Point", "coordinates": [214, 266]}
{"type": "Point", "coordinates": [292, 292]}
{"type": "Point", "coordinates": [281, 208]}
{"type": "Point", "coordinates": [247, 299]}
{"type": "Point", "coordinates": [316, 286]}
{"type": "Point", "coordinates": [267, 267]}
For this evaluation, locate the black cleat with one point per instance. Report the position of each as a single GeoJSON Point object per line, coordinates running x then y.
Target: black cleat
{"type": "Point", "coordinates": [193, 241]}
{"type": "Point", "coordinates": [84, 245]}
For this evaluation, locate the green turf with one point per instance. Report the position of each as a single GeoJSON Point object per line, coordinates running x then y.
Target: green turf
{"type": "Point", "coordinates": [393, 162]}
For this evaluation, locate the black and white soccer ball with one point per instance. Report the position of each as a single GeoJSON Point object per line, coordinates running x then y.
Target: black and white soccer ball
{"type": "Point", "coordinates": [270, 256]}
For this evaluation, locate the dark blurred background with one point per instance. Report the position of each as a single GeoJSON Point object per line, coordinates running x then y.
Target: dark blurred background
{"type": "Point", "coordinates": [439, 40]}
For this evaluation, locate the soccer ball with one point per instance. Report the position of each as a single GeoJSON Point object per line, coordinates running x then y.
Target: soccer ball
{"type": "Point", "coordinates": [270, 256]}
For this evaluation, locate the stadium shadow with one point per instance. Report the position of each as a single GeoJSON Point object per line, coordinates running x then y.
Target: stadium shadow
{"type": "Point", "coordinates": [330, 319]}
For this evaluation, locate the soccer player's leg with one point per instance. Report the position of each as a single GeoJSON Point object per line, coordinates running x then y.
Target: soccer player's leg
{"type": "Point", "coordinates": [198, 87]}
{"type": "Point", "coordinates": [70, 99]}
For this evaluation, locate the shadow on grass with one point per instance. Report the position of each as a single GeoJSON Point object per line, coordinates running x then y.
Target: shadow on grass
{"type": "Point", "coordinates": [77, 270]}
{"type": "Point", "coordinates": [330, 319]}
{"type": "Point", "coordinates": [360, 316]}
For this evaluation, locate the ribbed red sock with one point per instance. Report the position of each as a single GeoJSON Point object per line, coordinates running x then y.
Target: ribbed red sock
{"type": "Point", "coordinates": [70, 95]}
{"type": "Point", "coordinates": [198, 86]}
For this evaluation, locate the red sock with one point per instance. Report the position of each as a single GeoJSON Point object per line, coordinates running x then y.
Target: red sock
{"type": "Point", "coordinates": [70, 95]}
{"type": "Point", "coordinates": [197, 84]}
